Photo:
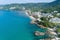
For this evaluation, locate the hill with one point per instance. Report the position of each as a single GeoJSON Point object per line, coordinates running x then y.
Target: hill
{"type": "Point", "coordinates": [53, 6]}
{"type": "Point", "coordinates": [26, 5]}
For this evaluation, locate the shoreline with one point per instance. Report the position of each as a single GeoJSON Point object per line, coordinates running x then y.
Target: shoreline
{"type": "Point", "coordinates": [40, 26]}
{"type": "Point", "coordinates": [33, 20]}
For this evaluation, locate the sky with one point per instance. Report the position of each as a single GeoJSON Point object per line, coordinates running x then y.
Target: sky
{"type": "Point", "coordinates": [23, 1]}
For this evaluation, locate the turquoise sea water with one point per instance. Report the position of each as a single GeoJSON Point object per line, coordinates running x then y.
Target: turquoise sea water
{"type": "Point", "coordinates": [15, 25]}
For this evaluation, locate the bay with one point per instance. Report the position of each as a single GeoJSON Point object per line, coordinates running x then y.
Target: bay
{"type": "Point", "coordinates": [15, 25]}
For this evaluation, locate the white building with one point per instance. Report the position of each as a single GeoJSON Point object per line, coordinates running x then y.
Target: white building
{"type": "Point", "coordinates": [1, 7]}
{"type": "Point", "coordinates": [47, 15]}
{"type": "Point", "coordinates": [12, 7]}
{"type": "Point", "coordinates": [36, 14]}
{"type": "Point", "coordinates": [56, 38]}
{"type": "Point", "coordinates": [58, 14]}
{"type": "Point", "coordinates": [55, 20]}
{"type": "Point", "coordinates": [28, 12]}
{"type": "Point", "coordinates": [55, 11]}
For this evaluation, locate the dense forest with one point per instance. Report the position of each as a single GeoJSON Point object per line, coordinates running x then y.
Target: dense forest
{"type": "Point", "coordinates": [53, 6]}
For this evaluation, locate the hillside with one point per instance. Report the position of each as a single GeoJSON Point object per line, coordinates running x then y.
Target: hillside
{"type": "Point", "coordinates": [27, 6]}
{"type": "Point", "coordinates": [56, 2]}
{"type": "Point", "coordinates": [53, 6]}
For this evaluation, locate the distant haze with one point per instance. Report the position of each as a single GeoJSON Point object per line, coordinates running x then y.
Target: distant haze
{"type": "Point", "coordinates": [23, 1]}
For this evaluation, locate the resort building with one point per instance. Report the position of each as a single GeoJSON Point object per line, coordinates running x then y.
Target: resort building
{"type": "Point", "coordinates": [55, 20]}
{"type": "Point", "coordinates": [47, 15]}
{"type": "Point", "coordinates": [58, 14]}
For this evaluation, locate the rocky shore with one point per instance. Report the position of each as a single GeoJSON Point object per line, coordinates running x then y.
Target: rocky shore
{"type": "Point", "coordinates": [38, 33]}
{"type": "Point", "coordinates": [41, 26]}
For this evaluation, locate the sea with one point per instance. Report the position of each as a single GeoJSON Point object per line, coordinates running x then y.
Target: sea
{"type": "Point", "coordinates": [15, 25]}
